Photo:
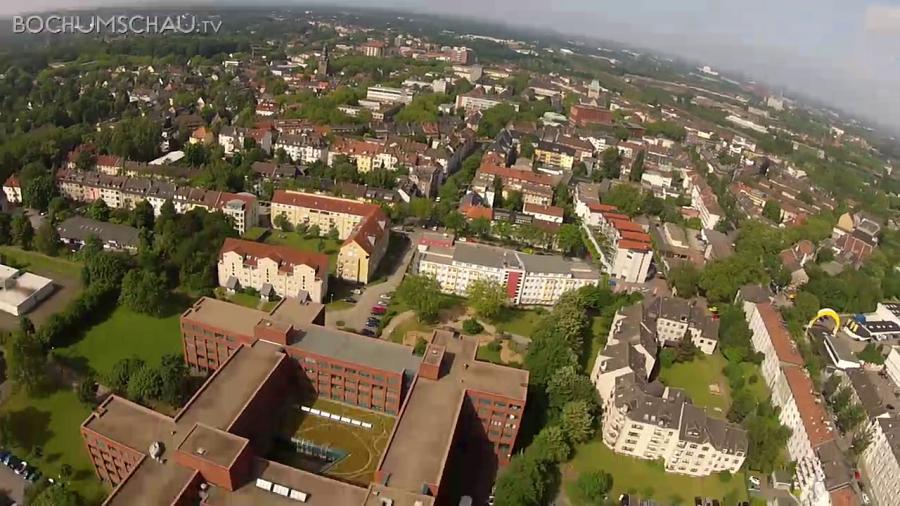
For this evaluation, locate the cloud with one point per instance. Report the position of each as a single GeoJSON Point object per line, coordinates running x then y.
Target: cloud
{"type": "Point", "coordinates": [883, 20]}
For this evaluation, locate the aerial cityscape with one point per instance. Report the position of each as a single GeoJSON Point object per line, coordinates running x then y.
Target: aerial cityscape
{"type": "Point", "coordinates": [335, 255]}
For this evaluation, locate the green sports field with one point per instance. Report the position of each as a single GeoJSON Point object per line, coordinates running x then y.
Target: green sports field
{"type": "Point", "coordinates": [363, 446]}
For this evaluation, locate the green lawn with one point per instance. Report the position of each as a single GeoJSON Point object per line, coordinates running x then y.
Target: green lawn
{"type": "Point", "coordinates": [412, 324]}
{"type": "Point", "coordinates": [255, 233]}
{"type": "Point", "coordinates": [338, 305]}
{"type": "Point", "coordinates": [518, 321]}
{"type": "Point", "coordinates": [695, 378]}
{"type": "Point", "coordinates": [244, 299]}
{"type": "Point", "coordinates": [648, 478]}
{"type": "Point", "coordinates": [51, 424]}
{"type": "Point", "coordinates": [329, 247]}
{"type": "Point", "coordinates": [29, 260]}
{"type": "Point", "coordinates": [126, 334]}
{"type": "Point", "coordinates": [488, 355]}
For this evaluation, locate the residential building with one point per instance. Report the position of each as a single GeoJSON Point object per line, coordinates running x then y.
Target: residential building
{"type": "Point", "coordinates": [373, 48]}
{"type": "Point", "coordinates": [555, 155]}
{"type": "Point", "coordinates": [75, 231]}
{"type": "Point", "coordinates": [881, 459]}
{"type": "Point", "coordinates": [233, 139]}
{"type": "Point", "coordinates": [795, 258]}
{"type": "Point", "coordinates": [550, 214]}
{"type": "Point", "coordinates": [649, 420]}
{"type": "Point", "coordinates": [273, 270]}
{"type": "Point", "coordinates": [12, 189]}
{"type": "Point", "coordinates": [303, 148]}
{"type": "Point", "coordinates": [122, 192]}
{"type": "Point", "coordinates": [583, 115]}
{"type": "Point", "coordinates": [527, 279]}
{"type": "Point", "coordinates": [480, 100]}
{"type": "Point", "coordinates": [705, 201]}
{"type": "Point", "coordinates": [625, 248]}
{"type": "Point", "coordinates": [110, 164]}
{"type": "Point", "coordinates": [819, 477]}
{"type": "Point", "coordinates": [363, 227]}
{"type": "Point", "coordinates": [263, 365]}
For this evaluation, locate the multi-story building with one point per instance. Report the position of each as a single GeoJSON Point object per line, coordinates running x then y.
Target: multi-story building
{"type": "Point", "coordinates": [705, 201]}
{"type": "Point", "coordinates": [303, 148]}
{"type": "Point", "coordinates": [648, 420]}
{"type": "Point", "coordinates": [263, 364]}
{"type": "Point", "coordinates": [373, 48]}
{"type": "Point", "coordinates": [550, 214]}
{"type": "Point", "coordinates": [480, 100]}
{"type": "Point", "coordinates": [12, 189]}
{"type": "Point", "coordinates": [232, 139]}
{"type": "Point", "coordinates": [121, 192]}
{"type": "Point", "coordinates": [586, 115]}
{"type": "Point", "coordinates": [555, 155]}
{"type": "Point", "coordinates": [273, 270]}
{"type": "Point", "coordinates": [389, 95]}
{"type": "Point", "coordinates": [881, 460]}
{"type": "Point", "coordinates": [364, 228]}
{"type": "Point", "coordinates": [528, 279]}
{"type": "Point", "coordinates": [625, 248]}
{"type": "Point", "coordinates": [821, 476]}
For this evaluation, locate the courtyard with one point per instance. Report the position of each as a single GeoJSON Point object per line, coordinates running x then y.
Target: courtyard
{"type": "Point", "coordinates": [361, 448]}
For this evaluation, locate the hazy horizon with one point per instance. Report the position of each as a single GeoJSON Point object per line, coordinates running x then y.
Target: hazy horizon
{"type": "Point", "coordinates": [845, 54]}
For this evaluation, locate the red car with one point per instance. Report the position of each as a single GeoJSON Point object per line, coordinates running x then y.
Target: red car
{"type": "Point", "coordinates": [379, 309]}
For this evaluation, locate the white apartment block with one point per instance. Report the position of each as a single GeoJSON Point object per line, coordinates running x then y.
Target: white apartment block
{"type": "Point", "coordinates": [650, 421]}
{"type": "Point", "coordinates": [892, 365]}
{"type": "Point", "coordinates": [881, 460]}
{"type": "Point", "coordinates": [625, 249]}
{"type": "Point", "coordinates": [528, 279]}
{"type": "Point", "coordinates": [704, 201]}
{"type": "Point", "coordinates": [303, 148]}
{"type": "Point", "coordinates": [273, 270]}
{"type": "Point", "coordinates": [12, 190]}
{"type": "Point", "coordinates": [800, 407]}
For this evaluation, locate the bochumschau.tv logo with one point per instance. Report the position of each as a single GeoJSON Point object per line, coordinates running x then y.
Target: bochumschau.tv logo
{"type": "Point", "coordinates": [116, 24]}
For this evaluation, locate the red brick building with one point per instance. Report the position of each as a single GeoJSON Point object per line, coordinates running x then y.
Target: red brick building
{"type": "Point", "coordinates": [209, 453]}
{"type": "Point", "coordinates": [587, 115]}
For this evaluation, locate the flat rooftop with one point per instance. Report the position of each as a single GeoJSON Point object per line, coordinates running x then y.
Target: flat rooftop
{"type": "Point", "coordinates": [242, 320]}
{"type": "Point", "coordinates": [151, 484]}
{"type": "Point", "coordinates": [348, 347]}
{"type": "Point", "coordinates": [320, 490]}
{"type": "Point", "coordinates": [17, 286]}
{"type": "Point", "coordinates": [116, 418]}
{"type": "Point", "coordinates": [415, 456]}
{"type": "Point", "coordinates": [226, 393]}
{"type": "Point", "coordinates": [214, 445]}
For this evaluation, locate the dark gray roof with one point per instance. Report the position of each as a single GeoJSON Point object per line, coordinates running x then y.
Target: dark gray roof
{"type": "Point", "coordinates": [358, 349]}
{"type": "Point", "coordinates": [80, 228]}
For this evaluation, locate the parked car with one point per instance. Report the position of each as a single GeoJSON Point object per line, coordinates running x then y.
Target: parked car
{"type": "Point", "coordinates": [22, 468]}
{"type": "Point", "coordinates": [754, 482]}
{"type": "Point", "coordinates": [33, 476]}
{"type": "Point", "coordinates": [356, 291]}
{"type": "Point", "coordinates": [12, 461]}
{"type": "Point", "coordinates": [367, 333]}
{"type": "Point", "coordinates": [379, 310]}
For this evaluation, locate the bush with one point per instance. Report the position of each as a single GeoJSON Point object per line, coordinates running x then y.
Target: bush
{"type": "Point", "coordinates": [471, 326]}
{"type": "Point", "coordinates": [494, 346]}
{"type": "Point", "coordinates": [419, 349]}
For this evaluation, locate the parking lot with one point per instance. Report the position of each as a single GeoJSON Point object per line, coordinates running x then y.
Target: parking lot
{"type": "Point", "coordinates": [12, 484]}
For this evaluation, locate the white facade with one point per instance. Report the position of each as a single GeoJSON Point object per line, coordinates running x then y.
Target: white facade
{"type": "Point", "coordinates": [287, 282]}
{"type": "Point", "coordinates": [21, 291]}
{"type": "Point", "coordinates": [386, 94]}
{"type": "Point", "coordinates": [880, 461]}
{"type": "Point", "coordinates": [13, 192]}
{"type": "Point", "coordinates": [892, 365]}
{"type": "Point", "coordinates": [302, 152]}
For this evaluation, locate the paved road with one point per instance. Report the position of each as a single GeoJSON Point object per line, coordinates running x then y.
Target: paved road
{"type": "Point", "coordinates": [355, 317]}
{"type": "Point", "coordinates": [12, 484]}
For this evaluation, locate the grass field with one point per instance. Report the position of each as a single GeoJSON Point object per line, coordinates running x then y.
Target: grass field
{"type": "Point", "coordinates": [364, 446]}
{"type": "Point", "coordinates": [696, 376]}
{"type": "Point", "coordinates": [488, 355]}
{"type": "Point", "coordinates": [329, 247]}
{"type": "Point", "coordinates": [32, 260]}
{"type": "Point", "coordinates": [243, 299]}
{"type": "Point", "coordinates": [411, 324]}
{"type": "Point", "coordinates": [255, 233]}
{"type": "Point", "coordinates": [648, 478]}
{"type": "Point", "coordinates": [126, 334]}
{"type": "Point", "coordinates": [518, 321]}
{"type": "Point", "coordinates": [50, 425]}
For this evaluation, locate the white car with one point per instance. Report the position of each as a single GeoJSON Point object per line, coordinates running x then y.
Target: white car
{"type": "Point", "coordinates": [754, 481]}
{"type": "Point", "coordinates": [865, 498]}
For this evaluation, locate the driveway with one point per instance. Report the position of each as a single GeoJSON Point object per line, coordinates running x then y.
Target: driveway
{"type": "Point", "coordinates": [12, 484]}
{"type": "Point", "coordinates": [356, 316]}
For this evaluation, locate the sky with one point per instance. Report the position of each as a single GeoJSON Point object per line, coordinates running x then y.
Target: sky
{"type": "Point", "coordinates": [843, 52]}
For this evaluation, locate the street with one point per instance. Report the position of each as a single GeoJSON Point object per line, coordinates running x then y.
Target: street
{"type": "Point", "coordinates": [355, 317]}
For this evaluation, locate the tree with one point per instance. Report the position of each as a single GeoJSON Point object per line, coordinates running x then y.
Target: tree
{"type": "Point", "coordinates": [87, 391]}
{"type": "Point", "coordinates": [98, 210]}
{"type": "Point", "coordinates": [174, 375]}
{"type": "Point", "coordinates": [144, 385]}
{"type": "Point", "coordinates": [626, 197]}
{"type": "Point", "coordinates": [57, 495]}
{"type": "Point", "coordinates": [685, 279]}
{"type": "Point", "coordinates": [142, 215]}
{"type": "Point", "coordinates": [487, 297]}
{"type": "Point", "coordinates": [570, 240]}
{"type": "Point", "coordinates": [419, 348]}
{"type": "Point", "coordinates": [455, 221]}
{"type": "Point", "coordinates": [313, 231]}
{"type": "Point", "coordinates": [121, 373]}
{"type": "Point", "coordinates": [282, 222]}
{"type": "Point", "coordinates": [422, 294]}
{"type": "Point", "coordinates": [143, 291]}
{"type": "Point", "coordinates": [577, 422]}
{"type": "Point", "coordinates": [472, 327]}
{"type": "Point", "coordinates": [514, 200]}
{"type": "Point", "coordinates": [772, 211]}
{"type": "Point", "coordinates": [567, 385]}
{"type": "Point", "coordinates": [333, 234]}
{"type": "Point", "coordinates": [47, 239]}
{"type": "Point", "coordinates": [38, 186]}
{"type": "Point", "coordinates": [26, 361]}
{"type": "Point", "coordinates": [686, 351]}
{"type": "Point", "coordinates": [105, 268]}
{"type": "Point", "coordinates": [481, 226]}
{"type": "Point", "coordinates": [523, 483]}
{"type": "Point", "coordinates": [637, 167]}
{"type": "Point", "coordinates": [612, 163]}
{"type": "Point", "coordinates": [22, 231]}
{"type": "Point", "coordinates": [26, 326]}
{"type": "Point", "coordinates": [593, 486]}
{"type": "Point", "coordinates": [550, 445]}
{"type": "Point", "coordinates": [5, 229]}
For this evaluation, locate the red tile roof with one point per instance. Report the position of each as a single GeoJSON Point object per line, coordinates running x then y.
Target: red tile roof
{"type": "Point", "coordinates": [843, 497]}
{"type": "Point", "coordinates": [109, 161]}
{"type": "Point", "coordinates": [323, 203]}
{"type": "Point", "coordinates": [809, 404]}
{"type": "Point", "coordinates": [784, 345]}
{"type": "Point", "coordinates": [285, 256]}
{"type": "Point", "coordinates": [635, 236]}
{"type": "Point", "coordinates": [626, 226]}
{"type": "Point", "coordinates": [12, 181]}
{"type": "Point", "coordinates": [633, 245]}
{"type": "Point", "coordinates": [599, 208]}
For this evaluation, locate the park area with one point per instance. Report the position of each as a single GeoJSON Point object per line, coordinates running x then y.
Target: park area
{"type": "Point", "coordinates": [703, 380]}
{"type": "Point", "coordinates": [361, 447]}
